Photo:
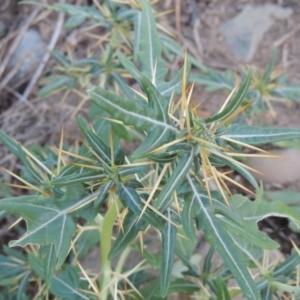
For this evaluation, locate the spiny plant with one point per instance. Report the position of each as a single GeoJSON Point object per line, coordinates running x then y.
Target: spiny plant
{"type": "Point", "coordinates": [268, 85]}
{"type": "Point", "coordinates": [99, 195]}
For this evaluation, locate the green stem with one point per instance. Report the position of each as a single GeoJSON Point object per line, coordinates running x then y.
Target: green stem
{"type": "Point", "coordinates": [106, 225]}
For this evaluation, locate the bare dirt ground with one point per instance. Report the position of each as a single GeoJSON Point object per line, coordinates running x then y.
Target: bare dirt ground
{"type": "Point", "coordinates": [197, 24]}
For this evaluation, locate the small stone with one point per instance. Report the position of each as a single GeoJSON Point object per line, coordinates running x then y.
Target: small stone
{"type": "Point", "coordinates": [28, 54]}
{"type": "Point", "coordinates": [284, 170]}
{"type": "Point", "coordinates": [245, 31]}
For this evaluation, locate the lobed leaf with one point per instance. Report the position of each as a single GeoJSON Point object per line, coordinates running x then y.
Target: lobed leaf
{"type": "Point", "coordinates": [260, 209]}
{"type": "Point", "coordinates": [48, 220]}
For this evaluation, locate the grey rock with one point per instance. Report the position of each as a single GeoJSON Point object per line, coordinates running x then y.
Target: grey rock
{"type": "Point", "coordinates": [29, 53]}
{"type": "Point", "coordinates": [284, 170]}
{"type": "Point", "coordinates": [245, 31]}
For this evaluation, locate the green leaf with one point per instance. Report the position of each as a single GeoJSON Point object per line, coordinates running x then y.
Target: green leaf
{"type": "Point", "coordinates": [250, 252]}
{"type": "Point", "coordinates": [10, 143]}
{"type": "Point", "coordinates": [10, 269]}
{"type": "Point", "coordinates": [222, 291]}
{"type": "Point", "coordinates": [103, 193]}
{"type": "Point", "coordinates": [23, 285]}
{"type": "Point", "coordinates": [182, 285]}
{"type": "Point", "coordinates": [119, 156]}
{"type": "Point", "coordinates": [254, 211]}
{"type": "Point", "coordinates": [127, 234]}
{"type": "Point", "coordinates": [254, 135]}
{"type": "Point", "coordinates": [217, 235]}
{"type": "Point", "coordinates": [288, 266]}
{"type": "Point", "coordinates": [67, 285]}
{"type": "Point", "coordinates": [168, 251]}
{"type": "Point", "coordinates": [74, 21]}
{"type": "Point", "coordinates": [129, 112]}
{"type": "Point", "coordinates": [170, 44]}
{"type": "Point", "coordinates": [270, 66]}
{"type": "Point", "coordinates": [267, 293]}
{"type": "Point", "coordinates": [164, 199]}
{"type": "Point", "coordinates": [237, 167]}
{"type": "Point", "coordinates": [57, 83]}
{"type": "Point", "coordinates": [63, 60]}
{"type": "Point", "coordinates": [234, 103]}
{"type": "Point", "coordinates": [95, 141]}
{"type": "Point", "coordinates": [130, 198]}
{"type": "Point", "coordinates": [214, 80]}
{"type": "Point", "coordinates": [251, 233]}
{"type": "Point", "coordinates": [163, 157]}
{"type": "Point", "coordinates": [82, 177]}
{"type": "Point", "coordinates": [190, 210]}
{"type": "Point", "coordinates": [87, 240]}
{"type": "Point", "coordinates": [184, 250]}
{"type": "Point", "coordinates": [125, 171]}
{"type": "Point", "coordinates": [149, 55]}
{"type": "Point", "coordinates": [49, 263]}
{"type": "Point", "coordinates": [76, 10]}
{"type": "Point", "coordinates": [288, 91]}
{"type": "Point", "coordinates": [48, 220]}
{"type": "Point", "coordinates": [213, 202]}
{"type": "Point", "coordinates": [38, 177]}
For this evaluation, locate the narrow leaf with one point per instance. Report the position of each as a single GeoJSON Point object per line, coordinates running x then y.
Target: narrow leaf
{"type": "Point", "coordinates": [217, 235]}
{"type": "Point", "coordinates": [164, 199]}
{"type": "Point", "coordinates": [237, 167]}
{"type": "Point", "coordinates": [127, 111]}
{"type": "Point", "coordinates": [235, 102]}
{"type": "Point", "coordinates": [83, 177]}
{"type": "Point", "coordinates": [132, 170]}
{"type": "Point", "coordinates": [127, 234]}
{"type": "Point", "coordinates": [149, 56]}
{"type": "Point", "coordinates": [10, 143]}
{"type": "Point", "coordinates": [67, 285]}
{"type": "Point", "coordinates": [130, 198]}
{"type": "Point", "coordinates": [190, 209]}
{"type": "Point", "coordinates": [103, 193]}
{"type": "Point", "coordinates": [49, 263]}
{"type": "Point", "coordinates": [254, 135]}
{"type": "Point", "coordinates": [74, 21]}
{"type": "Point", "coordinates": [94, 141]}
{"type": "Point", "coordinates": [168, 250]}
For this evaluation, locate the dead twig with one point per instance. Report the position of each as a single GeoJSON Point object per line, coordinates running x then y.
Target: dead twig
{"type": "Point", "coordinates": [287, 36]}
{"type": "Point", "coordinates": [53, 41]}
